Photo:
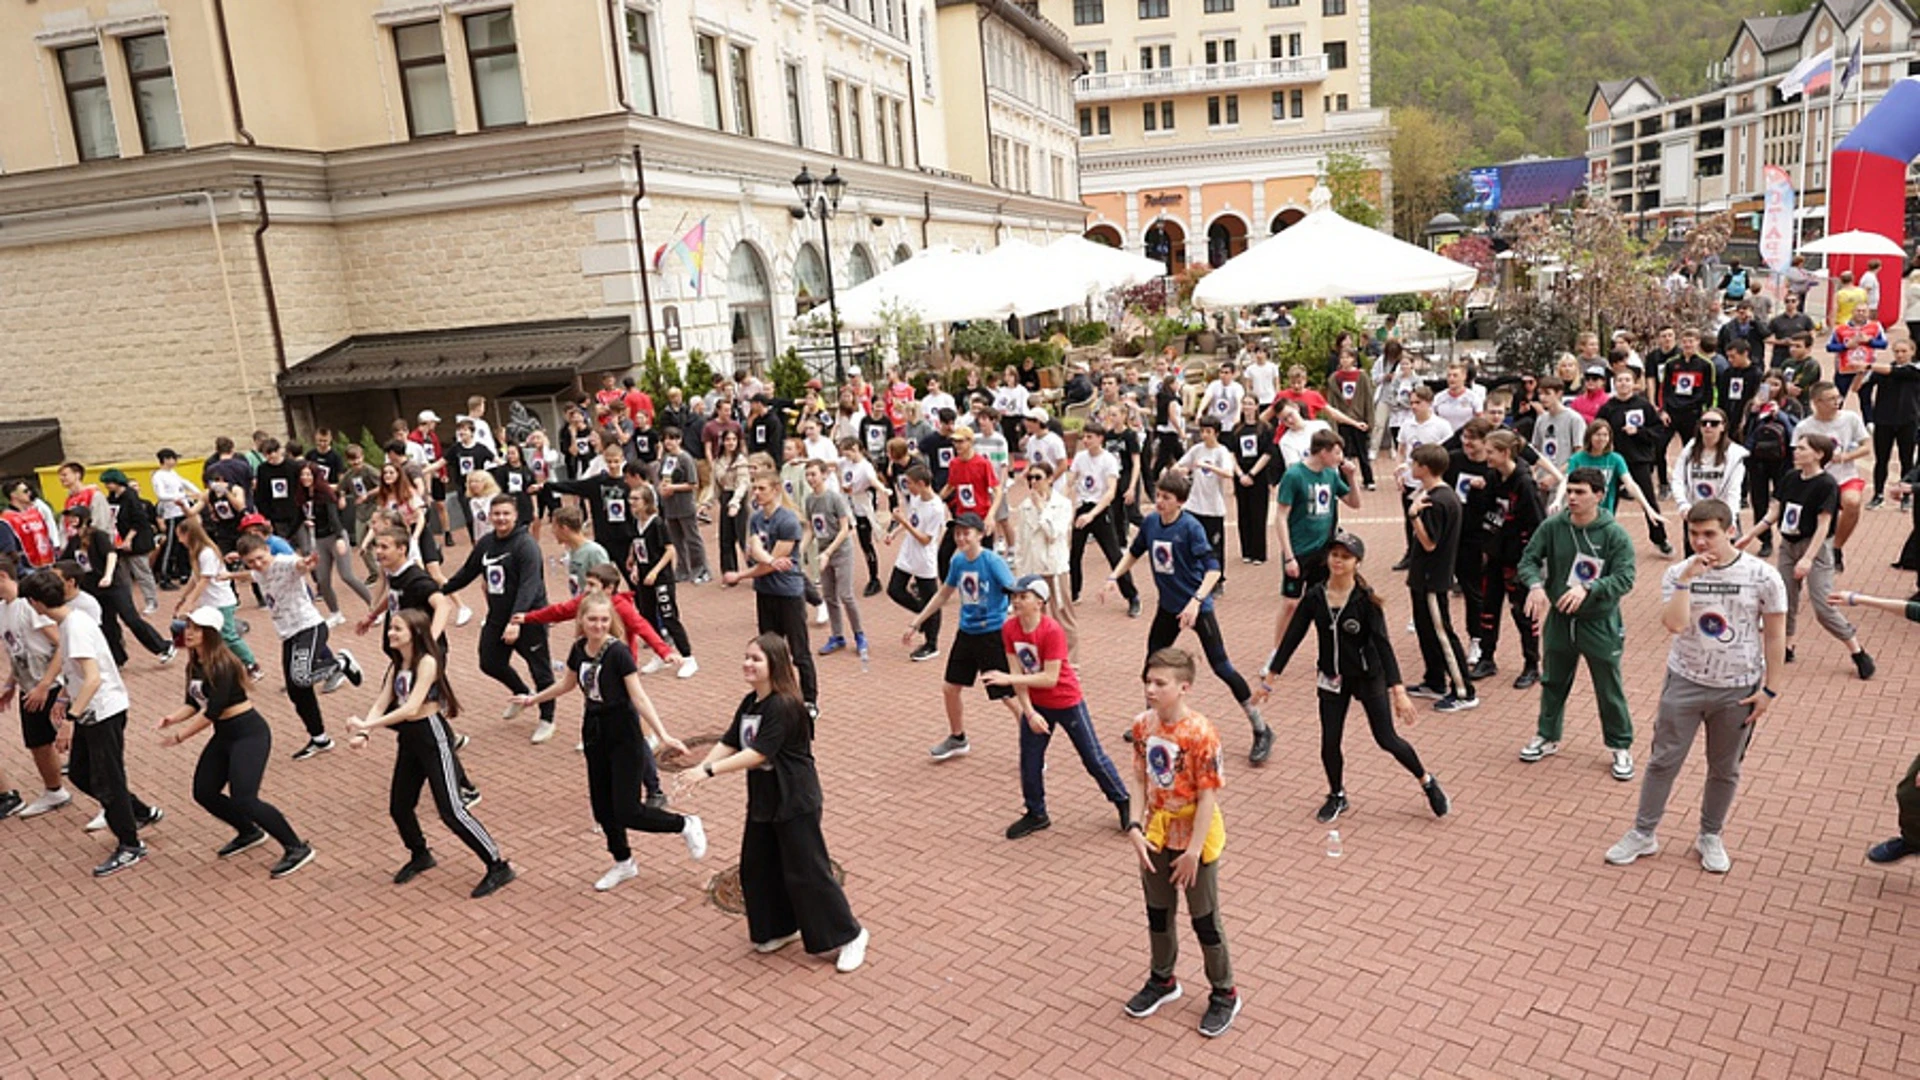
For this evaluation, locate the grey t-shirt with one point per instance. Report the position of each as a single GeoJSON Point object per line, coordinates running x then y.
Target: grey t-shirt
{"type": "Point", "coordinates": [679, 469]}
{"type": "Point", "coordinates": [775, 528]}
{"type": "Point", "coordinates": [825, 511]}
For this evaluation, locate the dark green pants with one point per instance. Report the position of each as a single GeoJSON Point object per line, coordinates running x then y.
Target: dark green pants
{"type": "Point", "coordinates": [1907, 794]}
{"type": "Point", "coordinates": [1563, 643]}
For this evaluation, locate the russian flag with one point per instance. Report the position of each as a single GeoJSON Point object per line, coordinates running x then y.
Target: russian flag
{"type": "Point", "coordinates": [1813, 73]}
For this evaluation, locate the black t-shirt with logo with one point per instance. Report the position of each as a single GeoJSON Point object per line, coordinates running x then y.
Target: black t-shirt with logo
{"type": "Point", "coordinates": [1802, 500]}
{"type": "Point", "coordinates": [778, 728]}
{"type": "Point", "coordinates": [611, 718]}
{"type": "Point", "coordinates": [1432, 571]}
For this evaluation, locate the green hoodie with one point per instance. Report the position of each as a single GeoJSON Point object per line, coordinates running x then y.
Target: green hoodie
{"type": "Point", "coordinates": [1548, 561]}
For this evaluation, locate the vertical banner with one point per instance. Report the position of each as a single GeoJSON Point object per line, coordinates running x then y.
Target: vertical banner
{"type": "Point", "coordinates": [1776, 225]}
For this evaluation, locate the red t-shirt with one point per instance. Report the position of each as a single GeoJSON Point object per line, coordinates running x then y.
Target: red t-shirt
{"type": "Point", "coordinates": [897, 397]}
{"type": "Point", "coordinates": [1047, 641]}
{"type": "Point", "coordinates": [972, 480]}
{"type": "Point", "coordinates": [1309, 401]}
{"type": "Point", "coordinates": [638, 402]}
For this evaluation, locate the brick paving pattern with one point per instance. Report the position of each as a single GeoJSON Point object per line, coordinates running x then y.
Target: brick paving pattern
{"type": "Point", "coordinates": [1492, 943]}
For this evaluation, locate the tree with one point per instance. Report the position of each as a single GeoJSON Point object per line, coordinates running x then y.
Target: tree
{"type": "Point", "coordinates": [1355, 187]}
{"type": "Point", "coordinates": [1427, 154]}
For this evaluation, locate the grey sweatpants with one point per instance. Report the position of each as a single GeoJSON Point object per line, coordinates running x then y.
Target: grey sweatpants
{"type": "Point", "coordinates": [837, 573]}
{"type": "Point", "coordinates": [691, 551]}
{"type": "Point", "coordinates": [1684, 707]}
{"type": "Point", "coordinates": [1819, 583]}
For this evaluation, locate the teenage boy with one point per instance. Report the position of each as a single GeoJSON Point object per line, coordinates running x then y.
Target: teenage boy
{"type": "Point", "coordinates": [773, 562]}
{"type": "Point", "coordinates": [1851, 442]}
{"type": "Point", "coordinates": [973, 487]}
{"type": "Point", "coordinates": [922, 517]}
{"type": "Point", "coordinates": [1802, 513]}
{"type": "Point", "coordinates": [679, 484]}
{"type": "Point", "coordinates": [569, 527]}
{"type": "Point", "coordinates": [1514, 511]}
{"type": "Point", "coordinates": [1737, 386]}
{"type": "Point", "coordinates": [1726, 611]}
{"type": "Point", "coordinates": [1309, 493]}
{"type": "Point", "coordinates": [1687, 385]}
{"type": "Point", "coordinates": [1558, 431]}
{"type": "Point", "coordinates": [605, 495]}
{"type": "Point", "coordinates": [1185, 570]}
{"type": "Point", "coordinates": [425, 450]}
{"type": "Point", "coordinates": [174, 495]}
{"type": "Point", "coordinates": [327, 463]}
{"type": "Point", "coordinates": [1094, 477]}
{"type": "Point", "coordinates": [304, 656]}
{"type": "Point", "coordinates": [1637, 438]}
{"type": "Point", "coordinates": [133, 534]}
{"type": "Point", "coordinates": [276, 489]}
{"type": "Point", "coordinates": [1048, 691]}
{"type": "Point", "coordinates": [1210, 470]}
{"type": "Point", "coordinates": [1178, 835]}
{"type": "Point", "coordinates": [982, 579]}
{"type": "Point", "coordinates": [31, 641]}
{"type": "Point", "coordinates": [1424, 429]}
{"type": "Point", "coordinates": [861, 483]}
{"type": "Point", "coordinates": [509, 562]}
{"type": "Point", "coordinates": [1222, 397]}
{"type": "Point", "coordinates": [482, 431]}
{"type": "Point", "coordinates": [468, 456]}
{"type": "Point", "coordinates": [831, 518]}
{"type": "Point", "coordinates": [1435, 515]}
{"type": "Point", "coordinates": [1577, 568]}
{"type": "Point", "coordinates": [97, 707]}
{"type": "Point", "coordinates": [1896, 414]}
{"type": "Point", "coordinates": [1352, 388]}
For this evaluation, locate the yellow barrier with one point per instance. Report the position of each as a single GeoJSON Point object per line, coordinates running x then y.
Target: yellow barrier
{"type": "Point", "coordinates": [138, 472]}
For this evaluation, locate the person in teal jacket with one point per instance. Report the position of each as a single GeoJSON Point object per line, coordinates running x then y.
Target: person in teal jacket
{"type": "Point", "coordinates": [1577, 567]}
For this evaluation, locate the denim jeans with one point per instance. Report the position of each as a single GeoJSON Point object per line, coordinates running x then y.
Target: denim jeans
{"type": "Point", "coordinates": [1033, 757]}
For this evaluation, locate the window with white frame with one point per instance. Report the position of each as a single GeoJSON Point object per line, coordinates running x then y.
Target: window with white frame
{"type": "Point", "coordinates": [706, 50]}
{"type": "Point", "coordinates": [425, 90]}
{"type": "Point", "coordinates": [640, 63]}
{"type": "Point", "coordinates": [83, 73]}
{"type": "Point", "coordinates": [493, 61]}
{"type": "Point", "coordinates": [796, 109]}
{"type": "Point", "coordinates": [836, 137]}
{"type": "Point", "coordinates": [740, 63]}
{"type": "Point", "coordinates": [156, 103]}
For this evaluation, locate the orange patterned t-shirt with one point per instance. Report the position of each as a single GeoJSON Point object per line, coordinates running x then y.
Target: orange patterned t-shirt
{"type": "Point", "coordinates": [1182, 760]}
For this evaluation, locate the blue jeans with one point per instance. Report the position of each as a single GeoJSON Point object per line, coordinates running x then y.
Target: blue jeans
{"type": "Point", "coordinates": [1033, 757]}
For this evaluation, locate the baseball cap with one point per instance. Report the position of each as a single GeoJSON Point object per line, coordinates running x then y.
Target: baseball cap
{"type": "Point", "coordinates": [207, 617]}
{"type": "Point", "coordinates": [1035, 584]}
{"type": "Point", "coordinates": [970, 521]}
{"type": "Point", "coordinates": [1354, 545]}
{"type": "Point", "coordinates": [854, 371]}
{"type": "Point", "coordinates": [1595, 371]}
{"type": "Point", "coordinates": [254, 519]}
{"type": "Point", "coordinates": [1038, 415]}
{"type": "Point", "coordinates": [428, 416]}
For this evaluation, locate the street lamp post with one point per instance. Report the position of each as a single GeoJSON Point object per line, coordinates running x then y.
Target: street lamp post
{"type": "Point", "coordinates": [820, 200]}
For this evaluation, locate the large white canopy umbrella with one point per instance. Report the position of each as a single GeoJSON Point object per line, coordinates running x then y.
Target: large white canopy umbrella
{"type": "Point", "coordinates": [939, 285]}
{"type": "Point", "coordinates": [1325, 257]}
{"type": "Point", "coordinates": [1097, 267]}
{"type": "Point", "coordinates": [1854, 242]}
{"type": "Point", "coordinates": [1026, 279]}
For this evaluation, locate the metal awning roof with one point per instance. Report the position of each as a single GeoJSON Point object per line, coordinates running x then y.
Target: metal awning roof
{"type": "Point", "coordinates": [19, 436]}
{"type": "Point", "coordinates": [463, 357]}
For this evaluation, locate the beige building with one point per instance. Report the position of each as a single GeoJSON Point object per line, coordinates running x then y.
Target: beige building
{"type": "Point", "coordinates": [217, 216]}
{"type": "Point", "coordinates": [1204, 123]}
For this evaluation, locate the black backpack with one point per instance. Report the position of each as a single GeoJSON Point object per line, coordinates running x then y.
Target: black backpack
{"type": "Point", "coordinates": [1770, 438]}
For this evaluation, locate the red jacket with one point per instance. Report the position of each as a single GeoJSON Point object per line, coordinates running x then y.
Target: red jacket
{"type": "Point", "coordinates": [637, 627]}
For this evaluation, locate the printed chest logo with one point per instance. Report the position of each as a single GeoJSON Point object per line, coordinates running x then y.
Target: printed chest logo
{"type": "Point", "coordinates": [616, 509]}
{"type": "Point", "coordinates": [846, 479]}
{"type": "Point", "coordinates": [1028, 655]}
{"type": "Point", "coordinates": [590, 680]}
{"type": "Point", "coordinates": [820, 527]}
{"type": "Point", "coordinates": [1163, 761]}
{"type": "Point", "coordinates": [640, 552]}
{"type": "Point", "coordinates": [749, 729]}
{"type": "Point", "coordinates": [197, 690]}
{"type": "Point", "coordinates": [1715, 627]}
{"type": "Point", "coordinates": [1088, 483]}
{"type": "Point", "coordinates": [278, 486]}
{"type": "Point", "coordinates": [1586, 570]}
{"type": "Point", "coordinates": [1790, 518]}
{"type": "Point", "coordinates": [1736, 387]}
{"type": "Point", "coordinates": [402, 685]}
{"type": "Point", "coordinates": [1550, 447]}
{"type": "Point", "coordinates": [581, 447]}
{"type": "Point", "coordinates": [1249, 446]}
{"type": "Point", "coordinates": [1322, 499]}
{"type": "Point", "coordinates": [496, 573]}
{"type": "Point", "coordinates": [1635, 418]}
{"type": "Point", "coordinates": [967, 497]}
{"type": "Point", "coordinates": [1163, 556]}
{"type": "Point", "coordinates": [970, 587]}
{"type": "Point", "coordinates": [1346, 389]}
{"type": "Point", "coordinates": [1462, 486]}
{"type": "Point", "coordinates": [515, 482]}
{"type": "Point", "coordinates": [945, 456]}
{"type": "Point", "coordinates": [1683, 382]}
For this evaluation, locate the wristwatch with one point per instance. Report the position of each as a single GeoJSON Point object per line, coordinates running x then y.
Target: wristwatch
{"type": "Point", "coordinates": [1770, 692]}
{"type": "Point", "coordinates": [707, 767]}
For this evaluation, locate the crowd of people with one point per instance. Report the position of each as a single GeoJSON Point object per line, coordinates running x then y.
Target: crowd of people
{"type": "Point", "coordinates": [978, 495]}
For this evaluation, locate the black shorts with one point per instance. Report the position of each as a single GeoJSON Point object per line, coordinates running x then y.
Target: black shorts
{"type": "Point", "coordinates": [36, 728]}
{"type": "Point", "coordinates": [429, 547]}
{"type": "Point", "coordinates": [1313, 571]}
{"type": "Point", "coordinates": [972, 654]}
{"type": "Point", "coordinates": [439, 489]}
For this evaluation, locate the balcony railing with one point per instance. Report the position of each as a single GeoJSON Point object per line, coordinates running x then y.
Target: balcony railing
{"type": "Point", "coordinates": [1201, 78]}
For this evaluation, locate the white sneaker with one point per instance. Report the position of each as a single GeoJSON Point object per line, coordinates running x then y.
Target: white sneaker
{"type": "Point", "coordinates": [1538, 748]}
{"type": "Point", "coordinates": [150, 608]}
{"type": "Point", "coordinates": [580, 747]}
{"type": "Point", "coordinates": [463, 616]}
{"type": "Point", "coordinates": [820, 615]}
{"type": "Point", "coordinates": [542, 731]}
{"type": "Point", "coordinates": [98, 823]}
{"type": "Point", "coordinates": [1632, 846]}
{"type": "Point", "coordinates": [695, 834]}
{"type": "Point", "coordinates": [46, 803]}
{"type": "Point", "coordinates": [689, 668]}
{"type": "Point", "coordinates": [852, 954]}
{"type": "Point", "coordinates": [1623, 764]}
{"type": "Point", "coordinates": [653, 665]}
{"type": "Point", "coordinates": [1713, 854]}
{"type": "Point", "coordinates": [335, 619]}
{"type": "Point", "coordinates": [1473, 651]}
{"type": "Point", "coordinates": [512, 710]}
{"type": "Point", "coordinates": [622, 871]}
{"type": "Point", "coordinates": [776, 944]}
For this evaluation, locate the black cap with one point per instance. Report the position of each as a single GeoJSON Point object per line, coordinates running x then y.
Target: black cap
{"type": "Point", "coordinates": [1354, 545]}
{"type": "Point", "coordinates": [970, 521]}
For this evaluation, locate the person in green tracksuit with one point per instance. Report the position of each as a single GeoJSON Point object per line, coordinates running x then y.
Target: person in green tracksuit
{"type": "Point", "coordinates": [1576, 568]}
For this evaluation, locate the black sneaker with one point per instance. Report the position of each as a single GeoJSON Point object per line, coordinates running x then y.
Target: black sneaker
{"type": "Point", "coordinates": [1151, 997]}
{"type": "Point", "coordinates": [1482, 671]}
{"type": "Point", "coordinates": [1262, 746]}
{"type": "Point", "coordinates": [294, 859]}
{"type": "Point", "coordinates": [319, 744]}
{"type": "Point", "coordinates": [1528, 679]}
{"type": "Point", "coordinates": [1664, 547]}
{"type": "Point", "coordinates": [246, 841]}
{"type": "Point", "coordinates": [1133, 608]}
{"type": "Point", "coordinates": [152, 817]}
{"type": "Point", "coordinates": [1887, 851]}
{"type": "Point", "coordinates": [1437, 798]}
{"type": "Point", "coordinates": [10, 804]}
{"type": "Point", "coordinates": [1400, 566]}
{"type": "Point", "coordinates": [1790, 656]}
{"type": "Point", "coordinates": [926, 652]}
{"type": "Point", "coordinates": [1126, 818]}
{"type": "Point", "coordinates": [872, 589]}
{"type": "Point", "coordinates": [1331, 810]}
{"type": "Point", "coordinates": [657, 800]}
{"type": "Point", "coordinates": [469, 797]}
{"type": "Point", "coordinates": [1839, 561]}
{"type": "Point", "coordinates": [1766, 549]}
{"type": "Point", "coordinates": [1876, 503]}
{"type": "Point", "coordinates": [499, 876]}
{"type": "Point", "coordinates": [121, 858]}
{"type": "Point", "coordinates": [350, 666]}
{"type": "Point", "coordinates": [1863, 664]}
{"type": "Point", "coordinates": [419, 864]}
{"type": "Point", "coordinates": [1028, 824]}
{"type": "Point", "coordinates": [1455, 703]}
{"type": "Point", "coordinates": [1422, 690]}
{"type": "Point", "coordinates": [1221, 1009]}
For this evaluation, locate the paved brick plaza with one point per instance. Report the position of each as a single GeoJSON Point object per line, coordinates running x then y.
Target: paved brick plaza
{"type": "Point", "coordinates": [1495, 942]}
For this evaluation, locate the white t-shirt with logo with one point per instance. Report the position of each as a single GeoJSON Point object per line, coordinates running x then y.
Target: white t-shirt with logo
{"type": "Point", "coordinates": [1207, 498]}
{"type": "Point", "coordinates": [1724, 644]}
{"type": "Point", "coordinates": [1847, 431]}
{"type": "Point", "coordinates": [1265, 381]}
{"type": "Point", "coordinates": [1295, 443]}
{"type": "Point", "coordinates": [1415, 434]}
{"type": "Point", "coordinates": [219, 592]}
{"type": "Point", "coordinates": [1222, 402]}
{"type": "Point", "coordinates": [929, 517]}
{"type": "Point", "coordinates": [22, 628]}
{"type": "Point", "coordinates": [1090, 474]}
{"type": "Point", "coordinates": [81, 639]}
{"type": "Point", "coordinates": [283, 585]}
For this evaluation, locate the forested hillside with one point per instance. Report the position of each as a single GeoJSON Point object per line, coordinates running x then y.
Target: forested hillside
{"type": "Point", "coordinates": [1517, 73]}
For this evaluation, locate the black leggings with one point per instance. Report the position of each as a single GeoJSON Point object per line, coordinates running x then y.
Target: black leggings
{"type": "Point", "coordinates": [614, 778]}
{"type": "Point", "coordinates": [1501, 576]}
{"type": "Point", "coordinates": [425, 756]}
{"type": "Point", "coordinates": [116, 608]}
{"type": "Point", "coordinates": [1102, 531]}
{"type": "Point", "coordinates": [1762, 476]}
{"type": "Point", "coordinates": [1166, 630]}
{"type": "Point", "coordinates": [787, 616]}
{"type": "Point", "coordinates": [914, 593]}
{"type": "Point", "coordinates": [496, 656]}
{"type": "Point", "coordinates": [1355, 443]}
{"type": "Point", "coordinates": [659, 604]}
{"type": "Point", "coordinates": [1885, 437]}
{"type": "Point", "coordinates": [1333, 726]}
{"type": "Point", "coordinates": [1167, 449]}
{"type": "Point", "coordinates": [733, 537]}
{"type": "Point", "coordinates": [1250, 501]}
{"type": "Point", "coordinates": [226, 782]}
{"type": "Point", "coordinates": [863, 528]}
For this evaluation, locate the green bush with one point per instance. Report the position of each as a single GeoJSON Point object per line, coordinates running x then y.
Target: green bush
{"type": "Point", "coordinates": [699, 374]}
{"type": "Point", "coordinates": [1089, 333]}
{"type": "Point", "coordinates": [1532, 333]}
{"type": "Point", "coordinates": [658, 374]}
{"type": "Point", "coordinates": [988, 343]}
{"type": "Point", "coordinates": [1401, 304]}
{"type": "Point", "coordinates": [790, 374]}
{"type": "Point", "coordinates": [1310, 343]}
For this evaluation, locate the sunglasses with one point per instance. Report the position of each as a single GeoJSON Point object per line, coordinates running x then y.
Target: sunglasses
{"type": "Point", "coordinates": [1036, 478]}
{"type": "Point", "coordinates": [1709, 423]}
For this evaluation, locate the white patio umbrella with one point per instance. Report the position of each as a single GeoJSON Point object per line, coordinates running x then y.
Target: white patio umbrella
{"type": "Point", "coordinates": [1854, 242]}
{"type": "Point", "coordinates": [1097, 267]}
{"type": "Point", "coordinates": [1325, 257]}
{"type": "Point", "coordinates": [1026, 279]}
{"type": "Point", "coordinates": [939, 284]}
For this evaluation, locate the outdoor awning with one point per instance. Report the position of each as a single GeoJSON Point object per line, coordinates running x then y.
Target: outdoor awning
{"type": "Point", "coordinates": [558, 349]}
{"type": "Point", "coordinates": [26, 445]}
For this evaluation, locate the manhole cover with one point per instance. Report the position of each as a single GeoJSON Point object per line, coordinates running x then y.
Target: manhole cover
{"type": "Point", "coordinates": [697, 747]}
{"type": "Point", "coordinates": [723, 889]}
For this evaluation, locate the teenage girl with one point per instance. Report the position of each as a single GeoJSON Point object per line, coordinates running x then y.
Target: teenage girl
{"type": "Point", "coordinates": [616, 709]}
{"type": "Point", "coordinates": [786, 877]}
{"type": "Point", "coordinates": [322, 509]}
{"type": "Point", "coordinates": [513, 477]}
{"type": "Point", "coordinates": [1712, 466]}
{"type": "Point", "coordinates": [1597, 452]}
{"type": "Point", "coordinates": [417, 702]}
{"type": "Point", "coordinates": [543, 461]}
{"type": "Point", "coordinates": [236, 755]}
{"type": "Point", "coordinates": [209, 587]}
{"type": "Point", "coordinates": [651, 558]}
{"type": "Point", "coordinates": [1356, 663]}
{"type": "Point", "coordinates": [105, 578]}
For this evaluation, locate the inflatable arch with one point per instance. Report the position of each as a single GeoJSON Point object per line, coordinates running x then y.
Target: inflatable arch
{"type": "Point", "coordinates": [1868, 188]}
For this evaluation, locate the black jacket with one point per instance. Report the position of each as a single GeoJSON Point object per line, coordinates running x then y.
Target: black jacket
{"type": "Point", "coordinates": [512, 571]}
{"type": "Point", "coordinates": [1359, 650]}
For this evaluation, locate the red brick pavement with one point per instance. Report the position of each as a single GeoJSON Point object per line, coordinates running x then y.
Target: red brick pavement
{"type": "Point", "coordinates": [1493, 943]}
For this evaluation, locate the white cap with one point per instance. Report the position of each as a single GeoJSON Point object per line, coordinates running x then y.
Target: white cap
{"type": "Point", "coordinates": [208, 617]}
{"type": "Point", "coordinates": [428, 416]}
{"type": "Point", "coordinates": [854, 371]}
{"type": "Point", "coordinates": [1038, 416]}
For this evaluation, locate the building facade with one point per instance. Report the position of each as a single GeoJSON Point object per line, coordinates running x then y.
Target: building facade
{"type": "Point", "coordinates": [198, 196]}
{"type": "Point", "coordinates": [1665, 161]}
{"type": "Point", "coordinates": [1205, 123]}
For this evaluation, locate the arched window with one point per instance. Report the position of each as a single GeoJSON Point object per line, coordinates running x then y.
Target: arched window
{"type": "Point", "coordinates": [1226, 237]}
{"type": "Point", "coordinates": [1166, 242]}
{"type": "Point", "coordinates": [1104, 234]}
{"type": "Point", "coordinates": [809, 279]}
{"type": "Point", "coordinates": [859, 265]}
{"type": "Point", "coordinates": [1284, 220]}
{"type": "Point", "coordinates": [902, 254]}
{"type": "Point", "coordinates": [749, 309]}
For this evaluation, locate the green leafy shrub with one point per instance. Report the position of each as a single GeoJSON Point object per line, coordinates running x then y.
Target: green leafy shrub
{"type": "Point", "coordinates": [1310, 343]}
{"type": "Point", "coordinates": [790, 374]}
